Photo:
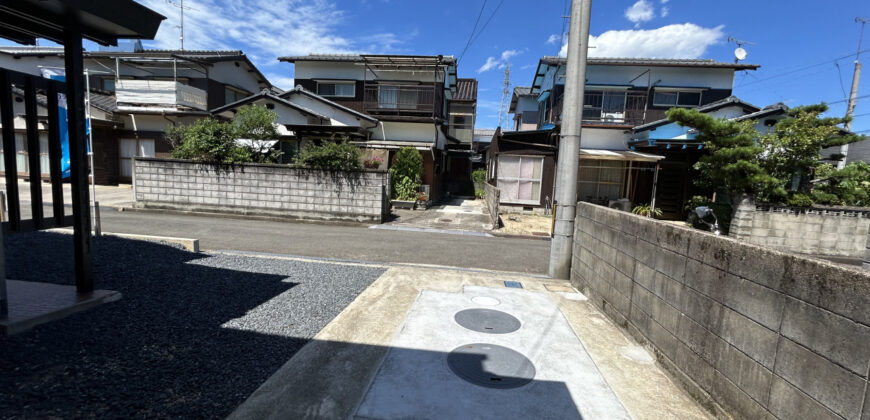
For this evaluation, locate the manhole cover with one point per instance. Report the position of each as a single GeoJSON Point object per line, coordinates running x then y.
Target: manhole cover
{"type": "Point", "coordinates": [491, 366]}
{"type": "Point", "coordinates": [487, 321]}
{"type": "Point", "coordinates": [485, 300]}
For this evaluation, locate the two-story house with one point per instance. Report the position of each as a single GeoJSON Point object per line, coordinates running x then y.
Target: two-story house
{"type": "Point", "coordinates": [137, 94]}
{"type": "Point", "coordinates": [408, 100]}
{"type": "Point", "coordinates": [620, 94]}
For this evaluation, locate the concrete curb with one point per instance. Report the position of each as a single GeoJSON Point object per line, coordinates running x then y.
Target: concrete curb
{"type": "Point", "coordinates": [513, 236]}
{"type": "Point", "coordinates": [189, 244]}
{"type": "Point", "coordinates": [240, 216]}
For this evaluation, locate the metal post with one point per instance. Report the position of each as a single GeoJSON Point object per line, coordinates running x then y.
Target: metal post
{"type": "Point", "coordinates": [652, 204]}
{"type": "Point", "coordinates": [2, 208]}
{"type": "Point", "coordinates": [92, 170]}
{"type": "Point", "coordinates": [98, 230]}
{"type": "Point", "coordinates": [569, 148]}
{"type": "Point", "coordinates": [4, 297]}
{"type": "Point", "coordinates": [72, 37]}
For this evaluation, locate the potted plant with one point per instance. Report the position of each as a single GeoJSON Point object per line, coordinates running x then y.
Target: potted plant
{"type": "Point", "coordinates": [646, 211]}
{"type": "Point", "coordinates": [423, 200]}
{"type": "Point", "coordinates": [406, 193]}
{"type": "Point", "coordinates": [373, 162]}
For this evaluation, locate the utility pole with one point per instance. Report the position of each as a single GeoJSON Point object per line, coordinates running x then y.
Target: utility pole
{"type": "Point", "coordinates": [850, 108]}
{"type": "Point", "coordinates": [569, 144]}
{"type": "Point", "coordinates": [505, 96]}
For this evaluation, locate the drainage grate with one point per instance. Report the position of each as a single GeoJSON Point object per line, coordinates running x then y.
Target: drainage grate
{"type": "Point", "coordinates": [491, 366]}
{"type": "Point", "coordinates": [514, 284]}
{"type": "Point", "coordinates": [487, 321]}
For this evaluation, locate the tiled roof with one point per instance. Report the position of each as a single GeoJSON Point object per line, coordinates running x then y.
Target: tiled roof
{"type": "Point", "coordinates": [466, 90]}
{"type": "Point", "coordinates": [360, 58]}
{"type": "Point", "coordinates": [661, 62]}
{"type": "Point", "coordinates": [98, 100]}
{"type": "Point", "coordinates": [712, 106]}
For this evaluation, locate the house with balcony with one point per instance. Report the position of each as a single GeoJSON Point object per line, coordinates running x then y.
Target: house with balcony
{"type": "Point", "coordinates": [620, 94]}
{"type": "Point", "coordinates": [407, 101]}
{"type": "Point", "coordinates": [137, 93]}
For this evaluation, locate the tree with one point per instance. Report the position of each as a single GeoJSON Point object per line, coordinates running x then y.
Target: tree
{"type": "Point", "coordinates": [330, 155]}
{"type": "Point", "coordinates": [255, 126]}
{"type": "Point", "coordinates": [406, 172]}
{"type": "Point", "coordinates": [208, 140]}
{"type": "Point", "coordinates": [849, 186]}
{"type": "Point", "coordinates": [732, 163]}
{"type": "Point", "coordinates": [792, 148]}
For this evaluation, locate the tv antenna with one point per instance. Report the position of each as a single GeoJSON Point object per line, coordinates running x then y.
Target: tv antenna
{"type": "Point", "coordinates": [739, 53]}
{"type": "Point", "coordinates": [182, 8]}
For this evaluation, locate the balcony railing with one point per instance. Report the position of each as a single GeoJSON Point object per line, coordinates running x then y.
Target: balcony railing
{"type": "Point", "coordinates": [162, 93]}
{"type": "Point", "coordinates": [399, 99]}
{"type": "Point", "coordinates": [611, 108]}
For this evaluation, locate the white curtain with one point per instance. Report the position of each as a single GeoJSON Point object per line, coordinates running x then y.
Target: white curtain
{"type": "Point", "coordinates": [388, 97]}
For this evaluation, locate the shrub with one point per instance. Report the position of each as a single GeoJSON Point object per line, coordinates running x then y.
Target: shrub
{"type": "Point", "coordinates": [479, 193]}
{"type": "Point", "coordinates": [257, 125]}
{"type": "Point", "coordinates": [800, 200]}
{"type": "Point", "coordinates": [646, 211]}
{"type": "Point", "coordinates": [207, 140]}
{"type": "Point", "coordinates": [373, 162]}
{"type": "Point", "coordinates": [406, 189]}
{"type": "Point", "coordinates": [479, 176]}
{"type": "Point", "coordinates": [408, 165]}
{"type": "Point", "coordinates": [849, 186]}
{"type": "Point", "coordinates": [330, 155]}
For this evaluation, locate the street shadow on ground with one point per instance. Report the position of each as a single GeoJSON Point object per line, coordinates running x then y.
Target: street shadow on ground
{"type": "Point", "coordinates": [333, 379]}
{"type": "Point", "coordinates": [163, 350]}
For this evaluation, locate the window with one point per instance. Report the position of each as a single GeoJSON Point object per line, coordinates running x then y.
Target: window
{"type": "Point", "coordinates": [130, 148]}
{"type": "Point", "coordinates": [233, 95]}
{"type": "Point", "coordinates": [22, 161]}
{"type": "Point", "coordinates": [519, 179]}
{"type": "Point", "coordinates": [342, 89]}
{"type": "Point", "coordinates": [685, 99]}
{"type": "Point", "coordinates": [600, 180]}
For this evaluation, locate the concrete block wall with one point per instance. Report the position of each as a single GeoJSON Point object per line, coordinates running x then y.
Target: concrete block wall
{"type": "Point", "coordinates": [262, 190]}
{"type": "Point", "coordinates": [837, 232]}
{"type": "Point", "coordinates": [749, 331]}
{"type": "Point", "coordinates": [492, 197]}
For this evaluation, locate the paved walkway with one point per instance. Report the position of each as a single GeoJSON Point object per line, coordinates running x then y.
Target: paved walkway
{"type": "Point", "coordinates": [114, 196]}
{"type": "Point", "coordinates": [390, 355]}
{"type": "Point", "coordinates": [458, 215]}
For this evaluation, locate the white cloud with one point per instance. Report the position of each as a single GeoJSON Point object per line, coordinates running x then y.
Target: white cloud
{"type": "Point", "coordinates": [664, 1]}
{"type": "Point", "coordinates": [490, 64]}
{"type": "Point", "coordinates": [266, 29]}
{"type": "Point", "coordinates": [507, 54]}
{"type": "Point", "coordinates": [642, 11]}
{"type": "Point", "coordinates": [685, 40]}
{"type": "Point", "coordinates": [501, 62]}
{"type": "Point", "coordinates": [553, 38]}
{"type": "Point", "coordinates": [665, 11]}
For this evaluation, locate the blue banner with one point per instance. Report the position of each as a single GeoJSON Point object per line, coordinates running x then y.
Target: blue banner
{"type": "Point", "coordinates": [62, 122]}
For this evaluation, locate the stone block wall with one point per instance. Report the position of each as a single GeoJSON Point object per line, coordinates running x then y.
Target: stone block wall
{"type": "Point", "coordinates": [827, 231]}
{"type": "Point", "coordinates": [261, 190]}
{"type": "Point", "coordinates": [749, 331]}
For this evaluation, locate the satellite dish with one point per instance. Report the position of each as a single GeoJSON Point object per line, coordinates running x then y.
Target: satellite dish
{"type": "Point", "coordinates": [740, 53]}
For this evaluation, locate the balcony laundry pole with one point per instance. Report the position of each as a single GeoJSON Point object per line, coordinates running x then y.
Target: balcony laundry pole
{"type": "Point", "coordinates": [562, 244]}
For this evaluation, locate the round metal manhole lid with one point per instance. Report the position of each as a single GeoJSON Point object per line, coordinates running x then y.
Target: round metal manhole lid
{"type": "Point", "coordinates": [491, 366]}
{"type": "Point", "coordinates": [487, 321]}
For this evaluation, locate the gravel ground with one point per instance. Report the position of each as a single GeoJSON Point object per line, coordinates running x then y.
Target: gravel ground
{"type": "Point", "coordinates": [192, 337]}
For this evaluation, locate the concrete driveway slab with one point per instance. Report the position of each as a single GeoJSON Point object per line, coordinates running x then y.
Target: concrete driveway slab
{"type": "Point", "coordinates": [390, 337]}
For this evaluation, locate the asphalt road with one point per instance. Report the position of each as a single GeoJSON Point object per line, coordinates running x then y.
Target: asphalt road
{"type": "Point", "coordinates": [336, 241]}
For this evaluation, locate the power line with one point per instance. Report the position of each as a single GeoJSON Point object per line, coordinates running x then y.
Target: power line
{"type": "Point", "coordinates": [482, 28]}
{"type": "Point", "coordinates": [803, 68]}
{"type": "Point", "coordinates": [844, 100]}
{"type": "Point", "coordinates": [476, 21]}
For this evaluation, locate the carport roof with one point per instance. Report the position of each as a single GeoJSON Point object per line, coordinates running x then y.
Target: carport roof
{"type": "Point", "coordinates": [102, 21]}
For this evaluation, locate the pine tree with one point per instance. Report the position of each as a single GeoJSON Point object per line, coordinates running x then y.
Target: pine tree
{"type": "Point", "coordinates": [732, 162]}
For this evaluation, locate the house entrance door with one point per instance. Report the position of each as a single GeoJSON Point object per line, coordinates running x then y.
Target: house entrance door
{"type": "Point", "coordinates": [130, 148]}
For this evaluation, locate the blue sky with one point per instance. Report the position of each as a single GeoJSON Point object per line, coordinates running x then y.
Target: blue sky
{"type": "Point", "coordinates": [789, 36]}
